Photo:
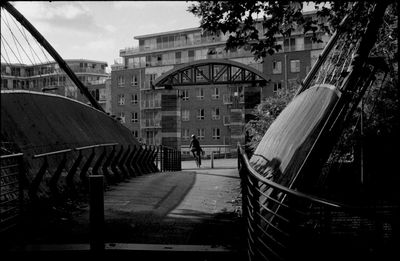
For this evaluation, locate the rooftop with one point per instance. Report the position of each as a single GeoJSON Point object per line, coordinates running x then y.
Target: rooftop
{"type": "Point", "coordinates": [167, 33]}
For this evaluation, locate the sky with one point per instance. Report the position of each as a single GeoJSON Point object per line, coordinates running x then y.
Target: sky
{"type": "Point", "coordinates": [97, 30]}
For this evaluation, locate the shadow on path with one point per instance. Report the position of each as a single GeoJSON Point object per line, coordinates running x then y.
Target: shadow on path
{"type": "Point", "coordinates": [161, 208]}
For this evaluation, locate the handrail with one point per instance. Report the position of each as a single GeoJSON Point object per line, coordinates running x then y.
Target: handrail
{"type": "Point", "coordinates": [95, 146]}
{"type": "Point", "coordinates": [292, 192]}
{"type": "Point", "coordinates": [11, 155]}
{"type": "Point", "coordinates": [69, 150]}
{"type": "Point", "coordinates": [51, 153]}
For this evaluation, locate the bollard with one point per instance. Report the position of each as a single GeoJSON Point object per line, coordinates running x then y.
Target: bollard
{"type": "Point", "coordinates": [96, 189]}
{"type": "Point", "coordinates": [212, 159]}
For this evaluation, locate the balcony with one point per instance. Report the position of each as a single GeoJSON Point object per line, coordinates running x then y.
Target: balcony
{"type": "Point", "coordinates": [129, 51]}
{"type": "Point", "coordinates": [77, 69]}
{"type": "Point", "coordinates": [150, 124]}
{"type": "Point", "coordinates": [156, 104]}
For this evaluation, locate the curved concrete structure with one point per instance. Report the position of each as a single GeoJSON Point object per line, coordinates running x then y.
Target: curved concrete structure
{"type": "Point", "coordinates": [292, 136]}
{"type": "Point", "coordinates": [40, 123]}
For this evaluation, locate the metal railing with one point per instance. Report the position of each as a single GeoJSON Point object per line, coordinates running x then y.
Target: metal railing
{"type": "Point", "coordinates": [285, 224]}
{"type": "Point", "coordinates": [10, 190]}
{"type": "Point", "coordinates": [63, 174]}
{"type": "Point", "coordinates": [115, 162]}
{"type": "Point", "coordinates": [169, 158]}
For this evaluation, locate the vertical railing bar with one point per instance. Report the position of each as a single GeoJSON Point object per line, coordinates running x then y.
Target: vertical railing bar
{"type": "Point", "coordinates": [71, 173]}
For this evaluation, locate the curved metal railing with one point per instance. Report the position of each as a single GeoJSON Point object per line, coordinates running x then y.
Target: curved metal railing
{"type": "Point", "coordinates": [285, 224]}
{"type": "Point", "coordinates": [61, 175]}
{"type": "Point", "coordinates": [10, 190]}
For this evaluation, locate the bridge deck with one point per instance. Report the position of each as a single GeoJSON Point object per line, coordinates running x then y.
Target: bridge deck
{"type": "Point", "coordinates": [189, 207]}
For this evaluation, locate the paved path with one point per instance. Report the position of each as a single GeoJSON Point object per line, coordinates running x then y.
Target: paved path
{"type": "Point", "coordinates": [195, 206]}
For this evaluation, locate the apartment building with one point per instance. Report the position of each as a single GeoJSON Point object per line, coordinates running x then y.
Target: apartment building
{"type": "Point", "coordinates": [49, 77]}
{"type": "Point", "coordinates": [215, 112]}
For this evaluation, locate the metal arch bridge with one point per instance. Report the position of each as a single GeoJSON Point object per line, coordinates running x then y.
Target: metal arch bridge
{"type": "Point", "coordinates": [210, 71]}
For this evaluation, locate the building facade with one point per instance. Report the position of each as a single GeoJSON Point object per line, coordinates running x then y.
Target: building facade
{"type": "Point", "coordinates": [216, 113]}
{"type": "Point", "coordinates": [49, 77]}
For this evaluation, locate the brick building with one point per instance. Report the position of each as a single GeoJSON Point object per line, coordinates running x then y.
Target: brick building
{"type": "Point", "coordinates": [214, 111]}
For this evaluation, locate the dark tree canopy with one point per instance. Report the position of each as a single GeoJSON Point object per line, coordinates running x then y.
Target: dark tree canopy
{"type": "Point", "coordinates": [237, 18]}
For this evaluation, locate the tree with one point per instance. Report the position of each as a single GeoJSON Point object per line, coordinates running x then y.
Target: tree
{"type": "Point", "coordinates": [264, 114]}
{"type": "Point", "coordinates": [237, 19]}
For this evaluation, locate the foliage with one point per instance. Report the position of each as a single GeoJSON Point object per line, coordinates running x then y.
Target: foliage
{"type": "Point", "coordinates": [237, 18]}
{"type": "Point", "coordinates": [265, 113]}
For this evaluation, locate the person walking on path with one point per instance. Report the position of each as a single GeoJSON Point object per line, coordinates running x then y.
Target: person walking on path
{"type": "Point", "coordinates": [196, 149]}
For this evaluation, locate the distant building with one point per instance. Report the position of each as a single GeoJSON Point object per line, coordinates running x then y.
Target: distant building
{"type": "Point", "coordinates": [48, 77]}
{"type": "Point", "coordinates": [216, 113]}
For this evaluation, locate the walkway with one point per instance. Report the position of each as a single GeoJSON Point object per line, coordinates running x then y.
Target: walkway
{"type": "Point", "coordinates": [193, 206]}
{"type": "Point", "coordinates": [190, 207]}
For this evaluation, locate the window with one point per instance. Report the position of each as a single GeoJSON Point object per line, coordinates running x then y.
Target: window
{"type": "Point", "coordinates": [215, 114]}
{"type": "Point", "coordinates": [185, 115]}
{"type": "Point", "coordinates": [289, 44]}
{"type": "Point", "coordinates": [200, 93]}
{"type": "Point", "coordinates": [185, 57]}
{"type": "Point", "coordinates": [200, 134]}
{"type": "Point", "coordinates": [148, 82]}
{"type": "Point", "coordinates": [165, 60]}
{"type": "Point", "coordinates": [130, 63]}
{"type": "Point", "coordinates": [134, 99]}
{"type": "Point", "coordinates": [197, 38]}
{"type": "Point", "coordinates": [148, 61]}
{"type": "Point", "coordinates": [121, 99]}
{"type": "Point", "coordinates": [159, 42]}
{"type": "Point", "coordinates": [121, 81]}
{"type": "Point", "coordinates": [201, 54]}
{"type": "Point", "coordinates": [215, 93]}
{"type": "Point", "coordinates": [191, 55]}
{"type": "Point", "coordinates": [159, 60]}
{"type": "Point", "coordinates": [135, 133]}
{"type": "Point", "coordinates": [295, 66]}
{"type": "Point", "coordinates": [185, 134]}
{"type": "Point", "coordinates": [136, 62]}
{"type": "Point", "coordinates": [142, 61]}
{"type": "Point", "coordinates": [276, 67]}
{"type": "Point", "coordinates": [200, 114]}
{"type": "Point", "coordinates": [178, 57]}
{"type": "Point", "coordinates": [216, 134]}
{"type": "Point", "coordinates": [102, 95]}
{"type": "Point", "coordinates": [135, 117]}
{"type": "Point", "coordinates": [299, 43]}
{"type": "Point", "coordinates": [122, 117]}
{"type": "Point", "coordinates": [197, 55]}
{"type": "Point", "coordinates": [4, 83]}
{"type": "Point", "coordinates": [226, 120]}
{"type": "Point", "coordinates": [185, 95]}
{"type": "Point", "coordinates": [134, 80]}
{"type": "Point", "coordinates": [277, 86]}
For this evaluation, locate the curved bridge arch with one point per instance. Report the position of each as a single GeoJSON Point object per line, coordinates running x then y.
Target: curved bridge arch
{"type": "Point", "coordinates": [210, 71]}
